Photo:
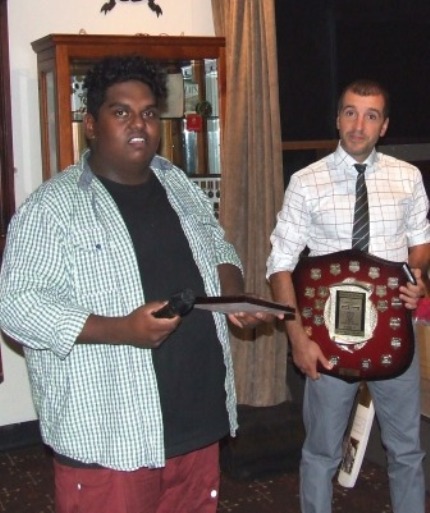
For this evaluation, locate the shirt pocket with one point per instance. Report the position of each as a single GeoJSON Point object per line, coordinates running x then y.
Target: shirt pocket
{"type": "Point", "coordinates": [93, 268]}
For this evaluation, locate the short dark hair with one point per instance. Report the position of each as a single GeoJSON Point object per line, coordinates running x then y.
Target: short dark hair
{"type": "Point", "coordinates": [116, 69]}
{"type": "Point", "coordinates": [366, 87]}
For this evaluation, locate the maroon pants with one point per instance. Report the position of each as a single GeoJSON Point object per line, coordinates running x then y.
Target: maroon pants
{"type": "Point", "coordinates": [187, 484]}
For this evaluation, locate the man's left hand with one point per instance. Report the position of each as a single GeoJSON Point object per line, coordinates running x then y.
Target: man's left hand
{"type": "Point", "coordinates": [247, 320]}
{"type": "Point", "coordinates": [410, 293]}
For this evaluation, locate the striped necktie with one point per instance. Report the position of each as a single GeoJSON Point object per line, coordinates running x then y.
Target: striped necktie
{"type": "Point", "coordinates": [360, 231]}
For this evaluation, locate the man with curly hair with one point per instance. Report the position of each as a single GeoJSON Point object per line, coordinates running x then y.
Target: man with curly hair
{"type": "Point", "coordinates": [132, 405]}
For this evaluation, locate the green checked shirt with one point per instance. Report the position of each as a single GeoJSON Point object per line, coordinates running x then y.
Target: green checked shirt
{"type": "Point", "coordinates": [68, 255]}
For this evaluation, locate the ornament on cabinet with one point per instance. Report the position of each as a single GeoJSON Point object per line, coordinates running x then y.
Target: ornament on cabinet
{"type": "Point", "coordinates": [108, 6]}
{"type": "Point", "coordinates": [204, 108]}
{"type": "Point", "coordinates": [194, 122]}
{"type": "Point", "coordinates": [78, 97]}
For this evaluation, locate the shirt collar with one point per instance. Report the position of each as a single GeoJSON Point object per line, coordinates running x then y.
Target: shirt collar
{"type": "Point", "coordinates": [87, 175]}
{"type": "Point", "coordinates": [158, 164]}
{"type": "Point", "coordinates": [344, 159]}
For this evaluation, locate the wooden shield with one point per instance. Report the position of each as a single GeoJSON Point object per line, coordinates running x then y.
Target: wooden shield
{"type": "Point", "coordinates": [349, 303]}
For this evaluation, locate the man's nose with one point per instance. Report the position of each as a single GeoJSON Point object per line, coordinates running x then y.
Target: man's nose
{"type": "Point", "coordinates": [137, 120]}
{"type": "Point", "coordinates": [359, 123]}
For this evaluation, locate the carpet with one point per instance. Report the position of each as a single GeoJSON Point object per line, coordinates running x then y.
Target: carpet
{"type": "Point", "coordinates": [26, 486]}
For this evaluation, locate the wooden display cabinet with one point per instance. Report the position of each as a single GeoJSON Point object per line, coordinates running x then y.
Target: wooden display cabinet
{"type": "Point", "coordinates": [190, 135]}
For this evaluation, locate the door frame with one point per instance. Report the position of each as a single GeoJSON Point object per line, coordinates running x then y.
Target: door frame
{"type": "Point", "coordinates": [7, 193]}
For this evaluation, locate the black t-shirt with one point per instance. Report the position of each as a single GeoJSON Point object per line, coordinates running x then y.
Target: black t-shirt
{"type": "Point", "coordinates": [189, 364]}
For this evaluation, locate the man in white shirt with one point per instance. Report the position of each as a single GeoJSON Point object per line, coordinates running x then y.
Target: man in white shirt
{"type": "Point", "coordinates": [318, 213]}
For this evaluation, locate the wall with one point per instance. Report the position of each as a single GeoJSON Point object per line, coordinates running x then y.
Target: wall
{"type": "Point", "coordinates": [187, 17]}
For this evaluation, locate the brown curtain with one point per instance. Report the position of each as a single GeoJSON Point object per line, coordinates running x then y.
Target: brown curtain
{"type": "Point", "coordinates": [252, 181]}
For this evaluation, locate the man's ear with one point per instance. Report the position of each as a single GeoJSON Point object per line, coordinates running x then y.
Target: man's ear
{"type": "Point", "coordinates": [384, 127]}
{"type": "Point", "coordinates": [89, 125]}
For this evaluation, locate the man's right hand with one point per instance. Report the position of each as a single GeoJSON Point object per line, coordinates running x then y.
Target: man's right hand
{"type": "Point", "coordinates": [148, 331]}
{"type": "Point", "coordinates": [307, 355]}
{"type": "Point", "coordinates": [139, 328]}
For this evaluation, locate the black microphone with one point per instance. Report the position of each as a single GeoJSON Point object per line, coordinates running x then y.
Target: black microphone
{"type": "Point", "coordinates": [179, 304]}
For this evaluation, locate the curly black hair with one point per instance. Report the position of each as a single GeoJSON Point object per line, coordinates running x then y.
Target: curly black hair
{"type": "Point", "coordinates": [115, 69]}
